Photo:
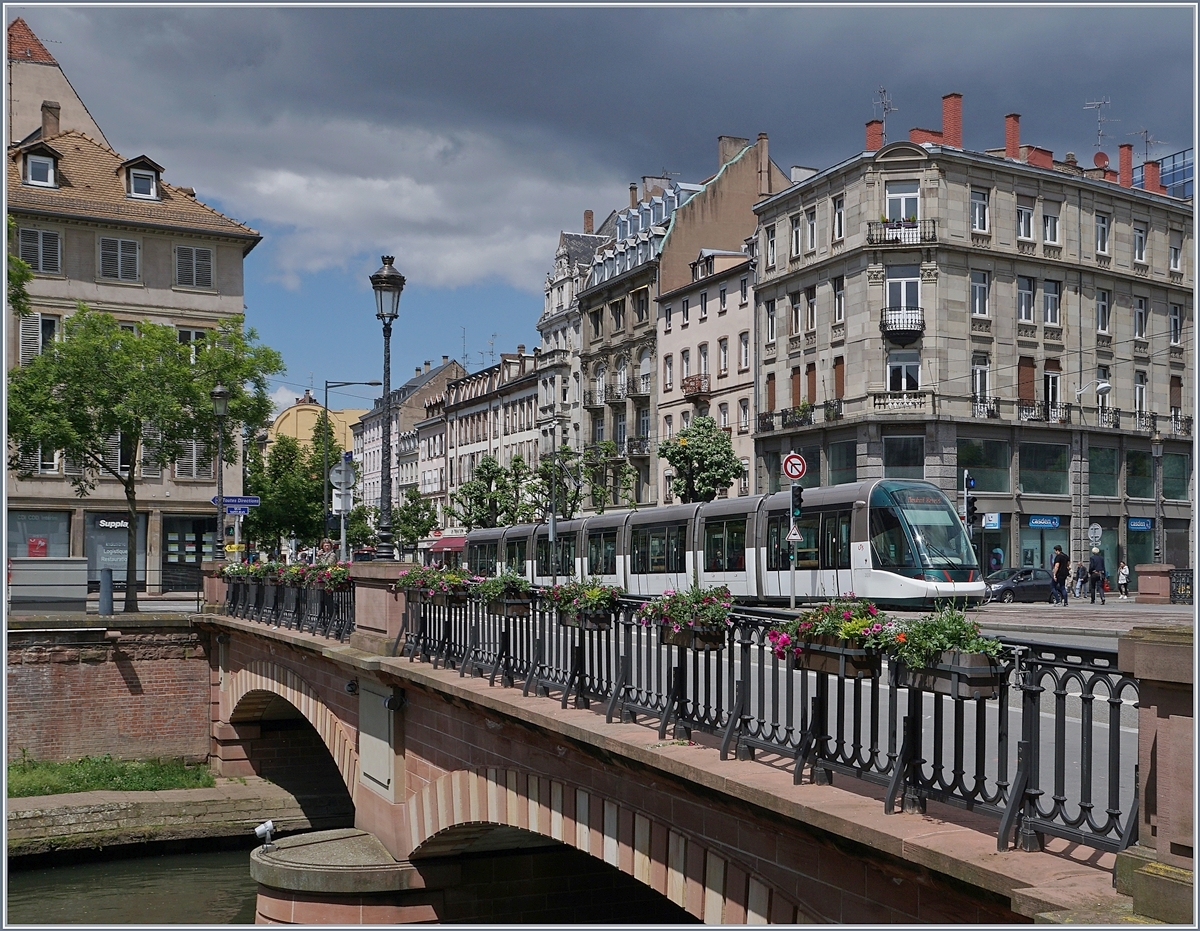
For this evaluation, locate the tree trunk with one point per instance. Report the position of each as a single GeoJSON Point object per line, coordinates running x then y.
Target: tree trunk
{"type": "Point", "coordinates": [131, 599]}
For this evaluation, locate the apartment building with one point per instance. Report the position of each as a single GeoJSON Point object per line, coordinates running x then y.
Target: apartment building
{"type": "Point", "coordinates": [431, 469]}
{"type": "Point", "coordinates": [923, 309]}
{"type": "Point", "coordinates": [111, 232]}
{"type": "Point", "coordinates": [657, 238]}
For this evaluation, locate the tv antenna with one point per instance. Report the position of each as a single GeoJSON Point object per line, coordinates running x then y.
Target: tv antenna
{"type": "Point", "coordinates": [1147, 140]}
{"type": "Point", "coordinates": [466, 359]}
{"type": "Point", "coordinates": [884, 102]}
{"type": "Point", "coordinates": [1101, 119]}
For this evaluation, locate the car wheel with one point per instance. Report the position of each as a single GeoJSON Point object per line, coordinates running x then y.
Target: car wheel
{"type": "Point", "coordinates": [1007, 596]}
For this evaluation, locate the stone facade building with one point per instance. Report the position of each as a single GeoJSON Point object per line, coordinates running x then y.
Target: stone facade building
{"type": "Point", "coordinates": [924, 309]}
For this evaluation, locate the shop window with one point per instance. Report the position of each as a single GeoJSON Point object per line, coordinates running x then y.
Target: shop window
{"type": "Point", "coordinates": [1044, 469]}
{"type": "Point", "coordinates": [987, 461]}
{"type": "Point", "coordinates": [904, 457]}
{"type": "Point", "coordinates": [1103, 467]}
{"type": "Point", "coordinates": [1175, 467]}
{"type": "Point", "coordinates": [843, 463]}
{"type": "Point", "coordinates": [1139, 474]}
{"type": "Point", "coordinates": [812, 459]}
{"type": "Point", "coordinates": [39, 533]}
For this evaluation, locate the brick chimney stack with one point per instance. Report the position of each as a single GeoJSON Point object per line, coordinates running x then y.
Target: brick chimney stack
{"type": "Point", "coordinates": [874, 135]}
{"type": "Point", "coordinates": [588, 221]}
{"type": "Point", "coordinates": [952, 120]}
{"type": "Point", "coordinates": [633, 196]}
{"type": "Point", "coordinates": [1126, 164]}
{"type": "Point", "coordinates": [1151, 179]}
{"type": "Point", "coordinates": [50, 114]}
{"type": "Point", "coordinates": [1012, 136]}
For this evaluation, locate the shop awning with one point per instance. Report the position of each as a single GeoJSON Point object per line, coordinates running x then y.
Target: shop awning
{"type": "Point", "coordinates": [449, 544]}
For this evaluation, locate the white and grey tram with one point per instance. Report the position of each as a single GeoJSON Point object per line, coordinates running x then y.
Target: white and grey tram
{"type": "Point", "coordinates": [898, 543]}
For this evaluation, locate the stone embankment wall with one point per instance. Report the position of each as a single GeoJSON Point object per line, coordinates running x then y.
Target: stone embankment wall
{"type": "Point", "coordinates": [137, 689]}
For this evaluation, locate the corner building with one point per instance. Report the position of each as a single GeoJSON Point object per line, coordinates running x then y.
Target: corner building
{"type": "Point", "coordinates": [922, 309]}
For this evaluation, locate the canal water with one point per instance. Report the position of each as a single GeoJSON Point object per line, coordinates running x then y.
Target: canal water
{"type": "Point", "coordinates": [187, 888]}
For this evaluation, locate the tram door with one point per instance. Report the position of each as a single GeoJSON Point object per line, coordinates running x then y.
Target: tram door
{"type": "Point", "coordinates": [836, 576]}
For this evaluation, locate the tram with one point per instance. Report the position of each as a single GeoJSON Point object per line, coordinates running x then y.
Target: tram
{"type": "Point", "coordinates": [898, 543]}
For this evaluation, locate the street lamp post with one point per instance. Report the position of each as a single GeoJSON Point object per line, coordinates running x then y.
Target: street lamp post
{"type": "Point", "coordinates": [387, 284]}
{"type": "Point", "coordinates": [220, 403]}
{"type": "Point", "coordinates": [325, 439]}
{"type": "Point", "coordinates": [1156, 451]}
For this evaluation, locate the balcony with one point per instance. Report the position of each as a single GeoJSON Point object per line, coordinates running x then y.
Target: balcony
{"type": "Point", "coordinates": [594, 398]}
{"type": "Point", "coordinates": [1109, 417]}
{"type": "Point", "coordinates": [766, 422]}
{"type": "Point", "coordinates": [1180, 424]}
{"type": "Point", "coordinates": [801, 416]}
{"type": "Point", "coordinates": [1144, 420]}
{"type": "Point", "coordinates": [833, 409]}
{"type": "Point", "coordinates": [901, 232]}
{"type": "Point", "coordinates": [1044, 411]}
{"type": "Point", "coordinates": [639, 446]}
{"type": "Point", "coordinates": [639, 387]}
{"type": "Point", "coordinates": [902, 325]}
{"type": "Point", "coordinates": [900, 400]}
{"type": "Point", "coordinates": [616, 393]}
{"type": "Point", "coordinates": [984, 408]}
{"type": "Point", "coordinates": [696, 386]}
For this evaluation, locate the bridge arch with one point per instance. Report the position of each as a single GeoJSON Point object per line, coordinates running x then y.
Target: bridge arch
{"type": "Point", "coordinates": [252, 687]}
{"type": "Point", "coordinates": [448, 814]}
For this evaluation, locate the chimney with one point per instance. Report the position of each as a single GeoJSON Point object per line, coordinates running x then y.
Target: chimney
{"type": "Point", "coordinates": [1012, 136]}
{"type": "Point", "coordinates": [445, 360]}
{"type": "Point", "coordinates": [418, 372]}
{"type": "Point", "coordinates": [520, 349]}
{"type": "Point", "coordinates": [426, 365]}
{"type": "Point", "coordinates": [1126, 164]}
{"type": "Point", "coordinates": [728, 147]}
{"type": "Point", "coordinates": [588, 222]}
{"type": "Point", "coordinates": [921, 136]}
{"type": "Point", "coordinates": [874, 135]}
{"type": "Point", "coordinates": [952, 120]}
{"type": "Point", "coordinates": [764, 166]}
{"type": "Point", "coordinates": [633, 196]}
{"type": "Point", "coordinates": [50, 113]}
{"type": "Point", "coordinates": [1150, 178]}
{"type": "Point", "coordinates": [1071, 159]}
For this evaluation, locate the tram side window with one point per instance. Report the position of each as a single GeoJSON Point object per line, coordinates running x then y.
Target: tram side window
{"type": "Point", "coordinates": [566, 555]}
{"type": "Point", "coordinates": [514, 557]}
{"type": "Point", "coordinates": [602, 553]}
{"type": "Point", "coordinates": [659, 549]}
{"type": "Point", "coordinates": [481, 559]}
{"type": "Point", "coordinates": [777, 546]}
{"type": "Point", "coordinates": [889, 542]}
{"type": "Point", "coordinates": [835, 540]}
{"type": "Point", "coordinates": [725, 546]}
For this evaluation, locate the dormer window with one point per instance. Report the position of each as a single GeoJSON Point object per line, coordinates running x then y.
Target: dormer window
{"type": "Point", "coordinates": [142, 183]}
{"type": "Point", "coordinates": [40, 170]}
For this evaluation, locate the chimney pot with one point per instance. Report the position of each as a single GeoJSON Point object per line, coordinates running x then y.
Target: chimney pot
{"type": "Point", "coordinates": [50, 118]}
{"type": "Point", "coordinates": [874, 135]}
{"type": "Point", "coordinates": [426, 365]}
{"type": "Point", "coordinates": [633, 195]}
{"type": "Point", "coordinates": [952, 120]}
{"type": "Point", "coordinates": [1126, 164]}
{"type": "Point", "coordinates": [445, 360]}
{"type": "Point", "coordinates": [588, 221]}
{"type": "Point", "coordinates": [520, 349]}
{"type": "Point", "coordinates": [1012, 136]}
{"type": "Point", "coordinates": [1150, 178]}
{"type": "Point", "coordinates": [418, 372]}
{"type": "Point", "coordinates": [1071, 160]}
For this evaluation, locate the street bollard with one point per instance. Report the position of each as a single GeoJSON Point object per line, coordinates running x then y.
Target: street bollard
{"type": "Point", "coordinates": [106, 592]}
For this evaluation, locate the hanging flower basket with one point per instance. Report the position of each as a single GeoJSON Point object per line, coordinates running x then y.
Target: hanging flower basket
{"type": "Point", "coordinates": [455, 597]}
{"type": "Point", "coordinates": [586, 605]}
{"type": "Point", "coordinates": [945, 653]}
{"type": "Point", "coordinates": [512, 606]}
{"type": "Point", "coordinates": [845, 637]}
{"type": "Point", "coordinates": [847, 659]}
{"type": "Point", "coordinates": [957, 674]}
{"type": "Point", "coordinates": [703, 640]}
{"type": "Point", "coordinates": [698, 617]}
{"type": "Point", "coordinates": [587, 620]}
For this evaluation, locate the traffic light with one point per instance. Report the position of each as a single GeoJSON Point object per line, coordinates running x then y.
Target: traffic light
{"type": "Point", "coordinates": [229, 530]}
{"type": "Point", "coordinates": [972, 509]}
{"type": "Point", "coordinates": [969, 480]}
{"type": "Point", "coordinates": [797, 501]}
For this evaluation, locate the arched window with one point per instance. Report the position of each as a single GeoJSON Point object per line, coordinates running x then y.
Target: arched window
{"type": "Point", "coordinates": [599, 382]}
{"type": "Point", "coordinates": [622, 375]}
{"type": "Point", "coordinates": [644, 371]}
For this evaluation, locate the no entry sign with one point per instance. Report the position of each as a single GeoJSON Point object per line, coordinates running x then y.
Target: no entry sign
{"type": "Point", "coordinates": [794, 466]}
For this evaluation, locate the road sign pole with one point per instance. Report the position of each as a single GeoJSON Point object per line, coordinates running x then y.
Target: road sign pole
{"type": "Point", "coordinates": [237, 537]}
{"type": "Point", "coordinates": [792, 553]}
{"type": "Point", "coordinates": [343, 517]}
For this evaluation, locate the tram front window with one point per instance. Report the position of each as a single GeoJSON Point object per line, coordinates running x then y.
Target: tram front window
{"type": "Point", "coordinates": [920, 517]}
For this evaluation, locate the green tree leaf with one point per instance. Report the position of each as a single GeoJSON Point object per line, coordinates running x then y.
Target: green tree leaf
{"type": "Point", "coordinates": [703, 461]}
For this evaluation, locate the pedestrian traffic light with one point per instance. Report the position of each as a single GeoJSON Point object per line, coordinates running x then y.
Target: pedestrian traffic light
{"type": "Point", "coordinates": [797, 501]}
{"type": "Point", "coordinates": [972, 509]}
{"type": "Point", "coordinates": [229, 530]}
{"type": "Point", "coordinates": [969, 480]}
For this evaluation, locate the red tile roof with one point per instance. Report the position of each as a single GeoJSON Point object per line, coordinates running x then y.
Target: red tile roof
{"type": "Point", "coordinates": [23, 45]}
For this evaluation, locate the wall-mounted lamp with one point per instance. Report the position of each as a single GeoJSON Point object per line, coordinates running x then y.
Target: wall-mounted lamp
{"type": "Point", "coordinates": [222, 638]}
{"type": "Point", "coordinates": [395, 701]}
{"type": "Point", "coordinates": [352, 687]}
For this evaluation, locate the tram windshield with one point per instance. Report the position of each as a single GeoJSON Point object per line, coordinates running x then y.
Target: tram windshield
{"type": "Point", "coordinates": [916, 526]}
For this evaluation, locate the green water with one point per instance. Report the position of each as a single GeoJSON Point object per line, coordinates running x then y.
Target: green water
{"type": "Point", "coordinates": [189, 888]}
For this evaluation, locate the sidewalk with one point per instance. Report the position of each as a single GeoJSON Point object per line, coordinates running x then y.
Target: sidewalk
{"type": "Point", "coordinates": [1081, 617]}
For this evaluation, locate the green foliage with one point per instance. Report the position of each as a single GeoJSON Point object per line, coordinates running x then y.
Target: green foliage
{"type": "Point", "coordinates": [703, 461]}
{"type": "Point", "coordinates": [609, 477]}
{"type": "Point", "coordinates": [415, 518]}
{"type": "Point", "coordinates": [556, 483]}
{"type": "Point", "coordinates": [19, 275]}
{"type": "Point", "coordinates": [291, 492]}
{"type": "Point", "coordinates": [101, 382]}
{"type": "Point", "coordinates": [496, 496]}
{"type": "Point", "coordinates": [919, 642]}
{"type": "Point", "coordinates": [28, 777]}
{"type": "Point", "coordinates": [703, 609]}
{"type": "Point", "coordinates": [506, 585]}
{"type": "Point", "coordinates": [586, 597]}
{"type": "Point", "coordinates": [427, 579]}
{"type": "Point", "coordinates": [361, 524]}
{"type": "Point", "coordinates": [333, 578]}
{"type": "Point", "coordinates": [855, 620]}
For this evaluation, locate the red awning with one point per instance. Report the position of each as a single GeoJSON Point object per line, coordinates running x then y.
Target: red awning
{"type": "Point", "coordinates": [451, 544]}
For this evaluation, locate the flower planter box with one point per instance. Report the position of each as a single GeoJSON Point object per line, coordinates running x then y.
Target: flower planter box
{"type": "Point", "coordinates": [517, 606]}
{"type": "Point", "coordinates": [957, 674]}
{"type": "Point", "coordinates": [824, 653]}
{"type": "Point", "coordinates": [449, 599]}
{"type": "Point", "coordinates": [587, 620]}
{"type": "Point", "coordinates": [696, 639]}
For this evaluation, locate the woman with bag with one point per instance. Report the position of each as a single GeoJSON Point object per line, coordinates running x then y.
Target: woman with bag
{"type": "Point", "coordinates": [1123, 580]}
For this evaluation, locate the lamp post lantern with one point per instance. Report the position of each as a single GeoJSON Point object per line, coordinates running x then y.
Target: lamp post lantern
{"type": "Point", "coordinates": [220, 403]}
{"type": "Point", "coordinates": [1156, 451]}
{"type": "Point", "coordinates": [325, 440]}
{"type": "Point", "coordinates": [387, 284]}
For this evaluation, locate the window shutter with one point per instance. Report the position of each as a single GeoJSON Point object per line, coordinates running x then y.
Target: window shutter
{"type": "Point", "coordinates": [112, 452]}
{"type": "Point", "coordinates": [184, 266]}
{"type": "Point", "coordinates": [204, 264]}
{"type": "Point", "coordinates": [71, 467]}
{"type": "Point", "coordinates": [30, 459]}
{"type": "Point", "coordinates": [185, 465]}
{"type": "Point", "coordinates": [129, 260]}
{"type": "Point", "coordinates": [50, 252]}
{"type": "Point", "coordinates": [31, 338]}
{"type": "Point", "coordinates": [151, 468]}
{"type": "Point", "coordinates": [110, 266]}
{"type": "Point", "coordinates": [29, 247]}
{"type": "Point", "coordinates": [204, 460]}
{"type": "Point", "coordinates": [1026, 372]}
{"type": "Point", "coordinates": [1176, 391]}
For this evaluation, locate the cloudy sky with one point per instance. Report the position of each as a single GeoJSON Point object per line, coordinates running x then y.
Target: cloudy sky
{"type": "Point", "coordinates": [462, 140]}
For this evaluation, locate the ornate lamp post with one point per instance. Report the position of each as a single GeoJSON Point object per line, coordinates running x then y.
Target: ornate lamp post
{"type": "Point", "coordinates": [387, 284]}
{"type": "Point", "coordinates": [1156, 451]}
{"type": "Point", "coordinates": [220, 403]}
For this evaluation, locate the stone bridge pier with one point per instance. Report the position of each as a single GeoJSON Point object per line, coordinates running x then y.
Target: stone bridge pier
{"type": "Point", "coordinates": [470, 798]}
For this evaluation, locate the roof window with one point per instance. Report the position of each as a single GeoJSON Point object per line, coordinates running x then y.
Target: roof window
{"type": "Point", "coordinates": [39, 169]}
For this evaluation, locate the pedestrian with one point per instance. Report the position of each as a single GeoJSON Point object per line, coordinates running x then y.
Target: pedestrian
{"type": "Point", "coordinates": [1062, 571]}
{"type": "Point", "coordinates": [1080, 578]}
{"type": "Point", "coordinates": [1096, 574]}
{"type": "Point", "coordinates": [1123, 580]}
{"type": "Point", "coordinates": [328, 555]}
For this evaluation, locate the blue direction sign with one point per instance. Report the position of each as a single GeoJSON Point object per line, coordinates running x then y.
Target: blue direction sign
{"type": "Point", "coordinates": [237, 510]}
{"type": "Point", "coordinates": [240, 501]}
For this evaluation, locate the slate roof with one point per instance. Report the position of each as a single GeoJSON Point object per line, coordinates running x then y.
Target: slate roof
{"type": "Point", "coordinates": [90, 187]}
{"type": "Point", "coordinates": [581, 247]}
{"type": "Point", "coordinates": [23, 45]}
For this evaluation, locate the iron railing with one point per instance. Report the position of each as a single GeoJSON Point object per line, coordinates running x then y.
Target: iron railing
{"type": "Point", "coordinates": [1044, 411]}
{"type": "Point", "coordinates": [1181, 424]}
{"type": "Point", "coordinates": [985, 408]}
{"type": "Point", "coordinates": [296, 607]}
{"type": "Point", "coordinates": [1109, 417]}
{"type": "Point", "coordinates": [1054, 754]}
{"type": "Point", "coordinates": [902, 232]}
{"type": "Point", "coordinates": [1181, 586]}
{"type": "Point", "coordinates": [833, 409]}
{"type": "Point", "coordinates": [696, 386]}
{"type": "Point", "coordinates": [902, 325]}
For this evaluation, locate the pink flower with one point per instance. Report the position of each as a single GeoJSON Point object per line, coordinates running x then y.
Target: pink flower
{"type": "Point", "coordinates": [847, 615]}
{"type": "Point", "coordinates": [872, 610]}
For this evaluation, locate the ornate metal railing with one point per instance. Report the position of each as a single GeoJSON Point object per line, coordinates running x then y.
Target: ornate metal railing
{"type": "Point", "coordinates": [1181, 424]}
{"type": "Point", "coordinates": [329, 613]}
{"type": "Point", "coordinates": [1054, 754]}
{"type": "Point", "coordinates": [901, 232]}
{"type": "Point", "coordinates": [833, 409]}
{"type": "Point", "coordinates": [985, 408]}
{"type": "Point", "coordinates": [1181, 586]}
{"type": "Point", "coordinates": [766, 421]}
{"type": "Point", "coordinates": [696, 386]}
{"type": "Point", "coordinates": [1044, 411]}
{"type": "Point", "coordinates": [1109, 417]}
{"type": "Point", "coordinates": [902, 325]}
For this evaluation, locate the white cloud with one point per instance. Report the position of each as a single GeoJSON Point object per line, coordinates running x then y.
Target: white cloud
{"type": "Point", "coordinates": [282, 397]}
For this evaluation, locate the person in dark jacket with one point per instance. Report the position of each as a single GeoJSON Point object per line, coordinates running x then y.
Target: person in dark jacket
{"type": "Point", "coordinates": [1061, 571]}
{"type": "Point", "coordinates": [1096, 574]}
{"type": "Point", "coordinates": [1080, 578]}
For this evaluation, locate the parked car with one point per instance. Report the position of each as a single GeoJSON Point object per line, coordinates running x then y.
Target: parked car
{"type": "Point", "coordinates": [1023, 584]}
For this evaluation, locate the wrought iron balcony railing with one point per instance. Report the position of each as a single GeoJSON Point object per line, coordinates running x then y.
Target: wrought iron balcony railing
{"type": "Point", "coordinates": [594, 398]}
{"type": "Point", "coordinates": [640, 386]}
{"type": "Point", "coordinates": [616, 392]}
{"type": "Point", "coordinates": [902, 325]}
{"type": "Point", "coordinates": [985, 408]}
{"type": "Point", "coordinates": [1109, 417]}
{"type": "Point", "coordinates": [833, 409]}
{"type": "Point", "coordinates": [1181, 425]}
{"type": "Point", "coordinates": [696, 386]}
{"type": "Point", "coordinates": [639, 445]}
{"type": "Point", "coordinates": [901, 232]}
{"type": "Point", "coordinates": [766, 422]}
{"type": "Point", "coordinates": [1145, 420]}
{"type": "Point", "coordinates": [1044, 411]}
{"type": "Point", "coordinates": [801, 416]}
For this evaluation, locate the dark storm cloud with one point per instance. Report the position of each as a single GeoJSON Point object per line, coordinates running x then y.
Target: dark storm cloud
{"type": "Point", "coordinates": [480, 132]}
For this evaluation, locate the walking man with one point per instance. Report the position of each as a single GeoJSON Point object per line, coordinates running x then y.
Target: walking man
{"type": "Point", "coordinates": [1080, 578]}
{"type": "Point", "coordinates": [1061, 569]}
{"type": "Point", "coordinates": [1096, 574]}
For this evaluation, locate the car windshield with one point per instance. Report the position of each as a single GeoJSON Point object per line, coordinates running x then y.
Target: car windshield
{"type": "Point", "coordinates": [1003, 575]}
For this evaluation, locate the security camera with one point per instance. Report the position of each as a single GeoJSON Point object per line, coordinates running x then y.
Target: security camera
{"type": "Point", "coordinates": [264, 832]}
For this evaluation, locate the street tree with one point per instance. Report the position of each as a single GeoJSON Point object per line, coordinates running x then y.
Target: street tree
{"type": "Point", "coordinates": [362, 527]}
{"type": "Point", "coordinates": [116, 401]}
{"type": "Point", "coordinates": [480, 500]}
{"type": "Point", "coordinates": [703, 460]}
{"type": "Point", "coordinates": [290, 491]}
{"type": "Point", "coordinates": [19, 275]}
{"type": "Point", "coordinates": [414, 519]}
{"type": "Point", "coordinates": [610, 478]}
{"type": "Point", "coordinates": [557, 482]}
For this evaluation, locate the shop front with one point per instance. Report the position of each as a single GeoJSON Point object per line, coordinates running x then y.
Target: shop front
{"type": "Point", "coordinates": [39, 533]}
{"type": "Point", "coordinates": [1139, 545]}
{"type": "Point", "coordinates": [106, 545]}
{"type": "Point", "coordinates": [992, 546]}
{"type": "Point", "coordinates": [188, 540]}
{"type": "Point", "coordinates": [1040, 534]}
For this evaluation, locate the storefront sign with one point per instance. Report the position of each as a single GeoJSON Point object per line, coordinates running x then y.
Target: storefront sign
{"type": "Point", "coordinates": [991, 521]}
{"type": "Point", "coordinates": [1044, 521]}
{"type": "Point", "coordinates": [1141, 523]}
{"type": "Point", "coordinates": [37, 546]}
